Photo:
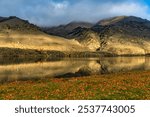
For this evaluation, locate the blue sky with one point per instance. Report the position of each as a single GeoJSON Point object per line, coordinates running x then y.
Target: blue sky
{"type": "Point", "coordinates": [56, 12]}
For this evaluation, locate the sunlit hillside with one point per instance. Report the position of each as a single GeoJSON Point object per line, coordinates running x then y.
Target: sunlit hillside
{"type": "Point", "coordinates": [18, 33]}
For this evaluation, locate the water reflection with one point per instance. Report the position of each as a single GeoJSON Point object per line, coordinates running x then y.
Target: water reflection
{"type": "Point", "coordinates": [72, 68]}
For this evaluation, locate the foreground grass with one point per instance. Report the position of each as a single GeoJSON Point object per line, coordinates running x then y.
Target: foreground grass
{"type": "Point", "coordinates": [131, 85]}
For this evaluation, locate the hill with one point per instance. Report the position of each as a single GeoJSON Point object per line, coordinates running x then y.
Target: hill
{"type": "Point", "coordinates": [123, 35]}
{"type": "Point", "coordinates": [18, 33]}
{"type": "Point", "coordinates": [127, 35]}
{"type": "Point", "coordinates": [2, 19]}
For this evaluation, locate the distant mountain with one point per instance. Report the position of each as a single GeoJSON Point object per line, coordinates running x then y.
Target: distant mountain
{"type": "Point", "coordinates": [110, 21]}
{"type": "Point", "coordinates": [19, 33]}
{"type": "Point", "coordinates": [123, 35]}
{"type": "Point", "coordinates": [118, 35]}
{"type": "Point", "coordinates": [64, 30]}
{"type": "Point", "coordinates": [2, 18]}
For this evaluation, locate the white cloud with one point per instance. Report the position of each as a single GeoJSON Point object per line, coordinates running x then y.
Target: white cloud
{"type": "Point", "coordinates": [130, 9]}
{"type": "Point", "coordinates": [59, 6]}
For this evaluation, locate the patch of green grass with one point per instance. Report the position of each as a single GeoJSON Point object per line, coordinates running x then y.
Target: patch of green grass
{"type": "Point", "coordinates": [129, 86]}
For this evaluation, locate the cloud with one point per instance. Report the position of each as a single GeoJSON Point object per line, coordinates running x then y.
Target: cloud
{"type": "Point", "coordinates": [130, 9]}
{"type": "Point", "coordinates": [55, 12]}
{"type": "Point", "coordinates": [59, 6]}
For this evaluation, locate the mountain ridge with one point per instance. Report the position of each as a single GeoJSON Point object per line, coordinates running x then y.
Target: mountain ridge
{"type": "Point", "coordinates": [117, 19]}
{"type": "Point", "coordinates": [120, 35]}
{"type": "Point", "coordinates": [123, 35]}
{"type": "Point", "coordinates": [64, 30]}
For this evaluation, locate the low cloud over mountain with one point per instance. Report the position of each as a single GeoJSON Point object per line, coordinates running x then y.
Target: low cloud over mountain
{"type": "Point", "coordinates": [55, 12]}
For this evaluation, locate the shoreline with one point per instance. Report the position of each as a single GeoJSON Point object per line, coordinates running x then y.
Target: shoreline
{"type": "Point", "coordinates": [16, 52]}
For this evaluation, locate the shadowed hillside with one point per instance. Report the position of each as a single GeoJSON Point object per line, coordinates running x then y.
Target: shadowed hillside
{"type": "Point", "coordinates": [64, 30]}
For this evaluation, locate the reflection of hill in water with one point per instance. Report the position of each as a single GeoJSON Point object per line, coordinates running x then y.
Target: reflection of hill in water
{"type": "Point", "coordinates": [72, 68]}
{"type": "Point", "coordinates": [118, 64]}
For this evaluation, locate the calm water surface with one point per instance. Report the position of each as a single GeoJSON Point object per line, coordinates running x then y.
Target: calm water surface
{"type": "Point", "coordinates": [71, 68]}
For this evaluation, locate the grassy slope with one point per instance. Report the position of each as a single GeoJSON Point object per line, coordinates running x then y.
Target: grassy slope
{"type": "Point", "coordinates": [17, 33]}
{"type": "Point", "coordinates": [38, 41]}
{"type": "Point", "coordinates": [131, 85]}
{"type": "Point", "coordinates": [127, 45]}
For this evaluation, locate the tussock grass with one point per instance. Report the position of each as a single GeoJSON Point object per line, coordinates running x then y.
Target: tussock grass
{"type": "Point", "coordinates": [39, 41]}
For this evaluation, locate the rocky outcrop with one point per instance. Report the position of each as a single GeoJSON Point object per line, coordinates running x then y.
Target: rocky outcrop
{"type": "Point", "coordinates": [86, 37]}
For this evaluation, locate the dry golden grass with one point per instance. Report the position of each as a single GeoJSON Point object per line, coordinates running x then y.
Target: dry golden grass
{"type": "Point", "coordinates": [127, 45]}
{"type": "Point", "coordinates": [39, 41]}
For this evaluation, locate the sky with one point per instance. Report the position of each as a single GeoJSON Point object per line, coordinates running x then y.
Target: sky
{"type": "Point", "coordinates": [56, 12]}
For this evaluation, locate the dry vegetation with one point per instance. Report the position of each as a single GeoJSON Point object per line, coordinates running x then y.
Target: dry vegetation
{"type": "Point", "coordinates": [38, 41]}
{"type": "Point", "coordinates": [131, 85]}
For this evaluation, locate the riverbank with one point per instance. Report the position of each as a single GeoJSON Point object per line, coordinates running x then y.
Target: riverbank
{"type": "Point", "coordinates": [16, 55]}
{"type": "Point", "coordinates": [119, 86]}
